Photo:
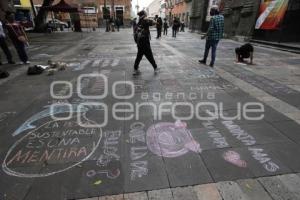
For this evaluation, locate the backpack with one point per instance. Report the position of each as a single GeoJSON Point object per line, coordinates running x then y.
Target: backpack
{"type": "Point", "coordinates": [35, 70]}
{"type": "Point", "coordinates": [138, 33]}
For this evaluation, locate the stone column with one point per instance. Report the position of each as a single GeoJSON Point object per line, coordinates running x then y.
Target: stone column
{"type": "Point", "coordinates": [198, 12]}
{"type": "Point", "coordinates": [240, 17]}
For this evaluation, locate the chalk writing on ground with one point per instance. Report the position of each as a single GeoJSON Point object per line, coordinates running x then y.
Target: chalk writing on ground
{"type": "Point", "coordinates": [138, 151]}
{"type": "Point", "coordinates": [263, 158]}
{"type": "Point", "coordinates": [29, 124]}
{"type": "Point", "coordinates": [55, 142]}
{"type": "Point", "coordinates": [218, 139]}
{"type": "Point", "coordinates": [110, 154]}
{"type": "Point", "coordinates": [248, 140]}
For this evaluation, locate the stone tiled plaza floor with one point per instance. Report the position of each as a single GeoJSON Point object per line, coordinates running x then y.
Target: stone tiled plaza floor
{"type": "Point", "coordinates": [143, 151]}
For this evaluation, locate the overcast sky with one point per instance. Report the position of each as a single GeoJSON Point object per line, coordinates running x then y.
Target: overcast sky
{"type": "Point", "coordinates": [142, 3]}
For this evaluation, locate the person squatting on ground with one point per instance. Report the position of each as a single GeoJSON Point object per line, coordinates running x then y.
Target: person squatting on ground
{"type": "Point", "coordinates": [18, 37]}
{"type": "Point", "coordinates": [166, 26]}
{"type": "Point", "coordinates": [4, 46]}
{"type": "Point", "coordinates": [175, 27]}
{"type": "Point", "coordinates": [245, 51]}
{"type": "Point", "coordinates": [142, 39]}
{"type": "Point", "coordinates": [159, 24]}
{"type": "Point", "coordinates": [213, 35]}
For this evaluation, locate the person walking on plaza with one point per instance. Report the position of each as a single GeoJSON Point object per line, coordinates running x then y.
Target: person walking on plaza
{"type": "Point", "coordinates": [18, 37]}
{"type": "Point", "coordinates": [182, 26]}
{"type": "Point", "coordinates": [166, 26]}
{"type": "Point", "coordinates": [142, 39]}
{"type": "Point", "coordinates": [175, 26]}
{"type": "Point", "coordinates": [159, 24]}
{"type": "Point", "coordinates": [118, 23]}
{"type": "Point", "coordinates": [4, 46]}
{"type": "Point", "coordinates": [213, 35]}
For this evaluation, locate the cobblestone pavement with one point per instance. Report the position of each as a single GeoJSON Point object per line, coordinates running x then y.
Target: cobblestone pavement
{"type": "Point", "coordinates": [266, 188]}
{"type": "Point", "coordinates": [51, 148]}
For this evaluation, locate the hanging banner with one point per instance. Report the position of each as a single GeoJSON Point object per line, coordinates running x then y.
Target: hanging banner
{"type": "Point", "coordinates": [271, 14]}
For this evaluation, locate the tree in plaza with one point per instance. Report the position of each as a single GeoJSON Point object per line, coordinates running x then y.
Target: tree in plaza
{"type": "Point", "coordinates": [40, 20]}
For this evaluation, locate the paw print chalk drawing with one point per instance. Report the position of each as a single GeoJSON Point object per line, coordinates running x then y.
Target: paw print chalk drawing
{"type": "Point", "coordinates": [234, 158]}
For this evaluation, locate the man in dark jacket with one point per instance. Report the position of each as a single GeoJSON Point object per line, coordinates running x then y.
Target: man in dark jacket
{"type": "Point", "coordinates": [118, 23]}
{"type": "Point", "coordinates": [175, 27]}
{"type": "Point", "coordinates": [142, 38]}
{"type": "Point", "coordinates": [159, 24]}
{"type": "Point", "coordinates": [166, 26]}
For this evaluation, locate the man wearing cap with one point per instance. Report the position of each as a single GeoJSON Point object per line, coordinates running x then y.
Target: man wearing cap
{"type": "Point", "coordinates": [142, 38]}
{"type": "Point", "coordinates": [213, 35]}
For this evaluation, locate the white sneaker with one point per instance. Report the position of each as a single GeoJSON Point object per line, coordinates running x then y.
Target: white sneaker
{"type": "Point", "coordinates": [136, 72]}
{"type": "Point", "coordinates": [27, 62]}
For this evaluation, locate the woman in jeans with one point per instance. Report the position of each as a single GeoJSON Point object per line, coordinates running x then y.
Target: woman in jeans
{"type": "Point", "coordinates": [18, 37]}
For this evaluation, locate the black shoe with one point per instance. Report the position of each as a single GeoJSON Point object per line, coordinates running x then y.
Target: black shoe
{"type": "Point", "coordinates": [0, 63]}
{"type": "Point", "coordinates": [11, 62]}
{"type": "Point", "coordinates": [4, 74]}
{"type": "Point", "coordinates": [211, 65]}
{"type": "Point", "coordinates": [202, 62]}
{"type": "Point", "coordinates": [136, 72]}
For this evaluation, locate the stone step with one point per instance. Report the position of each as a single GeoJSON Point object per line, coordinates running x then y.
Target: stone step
{"type": "Point", "coordinates": [282, 187]}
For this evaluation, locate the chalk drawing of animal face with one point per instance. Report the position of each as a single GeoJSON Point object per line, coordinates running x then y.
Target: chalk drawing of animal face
{"type": "Point", "coordinates": [171, 140]}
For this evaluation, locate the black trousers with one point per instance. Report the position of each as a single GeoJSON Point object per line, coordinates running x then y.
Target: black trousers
{"type": "Point", "coordinates": [144, 48]}
{"type": "Point", "coordinates": [158, 32]}
{"type": "Point", "coordinates": [20, 47]}
{"type": "Point", "coordinates": [5, 49]}
{"type": "Point", "coordinates": [174, 32]}
{"type": "Point", "coordinates": [165, 31]}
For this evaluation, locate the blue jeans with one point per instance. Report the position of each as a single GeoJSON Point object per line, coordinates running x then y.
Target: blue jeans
{"type": "Point", "coordinates": [213, 45]}
{"type": "Point", "coordinates": [20, 47]}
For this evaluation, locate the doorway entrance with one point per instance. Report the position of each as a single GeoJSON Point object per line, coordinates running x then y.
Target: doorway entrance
{"type": "Point", "coordinates": [120, 14]}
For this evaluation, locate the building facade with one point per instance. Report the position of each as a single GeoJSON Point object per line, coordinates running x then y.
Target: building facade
{"type": "Point", "coordinates": [115, 9]}
{"type": "Point", "coordinates": [241, 17]}
{"type": "Point", "coordinates": [180, 9]}
{"type": "Point", "coordinates": [154, 9]}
